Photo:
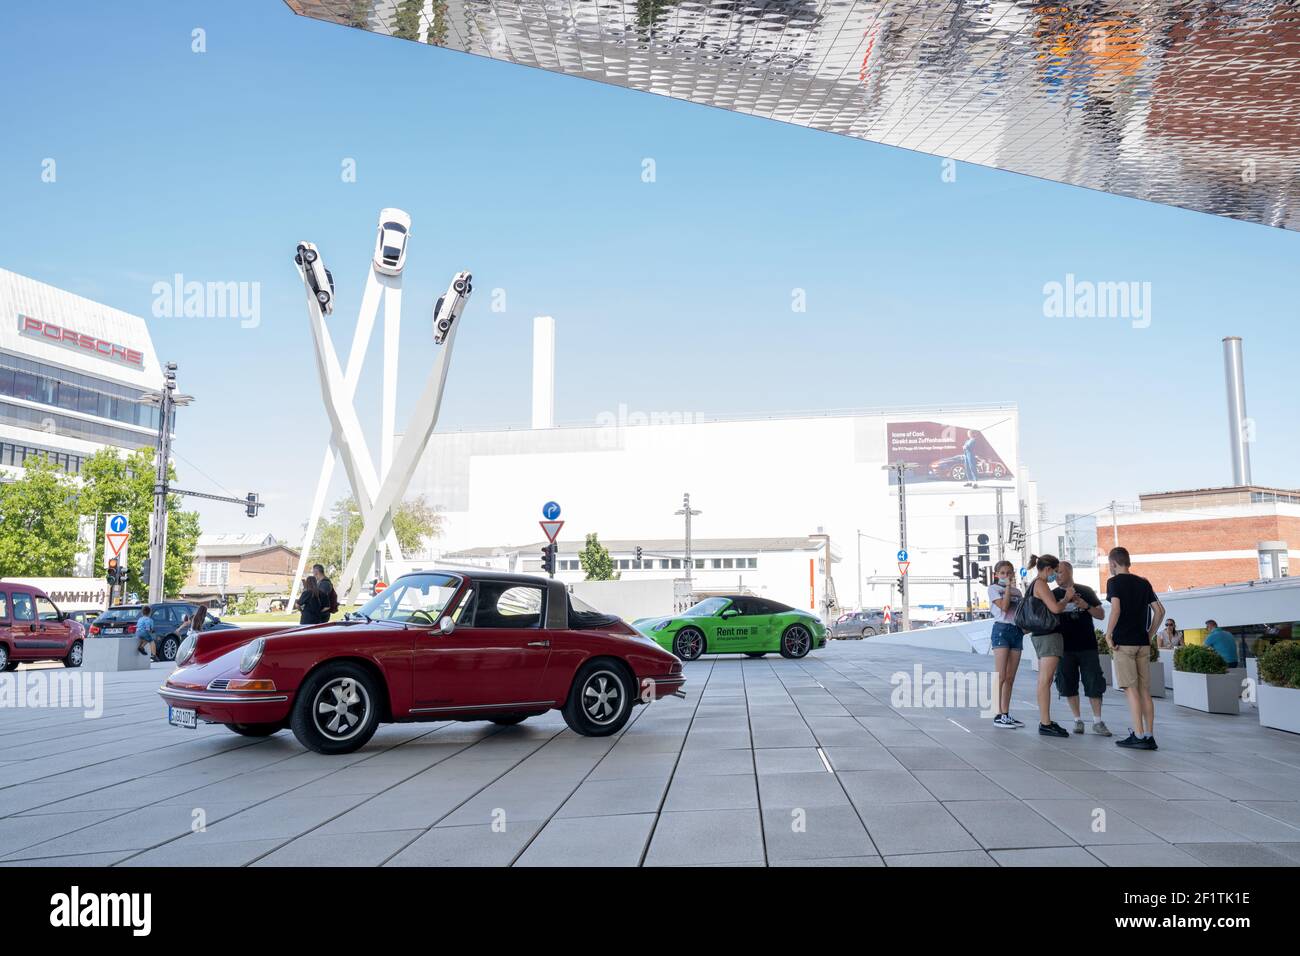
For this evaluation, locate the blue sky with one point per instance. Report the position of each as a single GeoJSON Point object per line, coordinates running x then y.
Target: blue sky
{"type": "Point", "coordinates": [671, 295]}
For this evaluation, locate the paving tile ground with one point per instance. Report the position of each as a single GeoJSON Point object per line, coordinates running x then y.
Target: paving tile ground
{"type": "Point", "coordinates": [765, 763]}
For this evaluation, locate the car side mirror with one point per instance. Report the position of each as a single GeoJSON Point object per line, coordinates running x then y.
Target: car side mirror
{"type": "Point", "coordinates": [730, 612]}
{"type": "Point", "coordinates": [446, 625]}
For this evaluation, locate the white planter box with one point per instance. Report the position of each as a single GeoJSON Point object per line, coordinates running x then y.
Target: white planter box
{"type": "Point", "coordinates": [112, 654]}
{"type": "Point", "coordinates": [1158, 685]}
{"type": "Point", "coordinates": [1167, 659]}
{"type": "Point", "coordinates": [1279, 707]}
{"type": "Point", "coordinates": [1107, 668]}
{"type": "Point", "coordinates": [1252, 669]}
{"type": "Point", "coordinates": [1211, 693]}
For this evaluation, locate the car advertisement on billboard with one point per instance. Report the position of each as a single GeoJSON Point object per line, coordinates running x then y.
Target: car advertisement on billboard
{"type": "Point", "coordinates": [951, 454]}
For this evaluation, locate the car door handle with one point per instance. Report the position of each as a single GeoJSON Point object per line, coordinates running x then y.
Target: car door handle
{"type": "Point", "coordinates": [539, 643]}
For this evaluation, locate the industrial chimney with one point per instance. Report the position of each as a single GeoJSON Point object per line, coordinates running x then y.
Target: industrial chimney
{"type": "Point", "coordinates": [543, 372]}
{"type": "Point", "coordinates": [1235, 375]}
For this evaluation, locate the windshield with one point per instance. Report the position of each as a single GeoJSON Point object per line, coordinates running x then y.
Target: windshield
{"type": "Point", "coordinates": [119, 614]}
{"type": "Point", "coordinates": [414, 599]}
{"type": "Point", "coordinates": [706, 608]}
{"type": "Point", "coordinates": [392, 252]}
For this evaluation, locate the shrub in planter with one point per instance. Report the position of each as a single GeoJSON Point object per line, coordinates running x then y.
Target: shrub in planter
{"type": "Point", "coordinates": [1102, 646]}
{"type": "Point", "coordinates": [1280, 665]}
{"type": "Point", "coordinates": [1199, 659]}
{"type": "Point", "coordinates": [1278, 692]}
{"type": "Point", "coordinates": [1203, 682]}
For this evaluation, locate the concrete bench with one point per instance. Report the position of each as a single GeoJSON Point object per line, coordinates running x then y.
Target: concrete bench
{"type": "Point", "coordinates": [113, 654]}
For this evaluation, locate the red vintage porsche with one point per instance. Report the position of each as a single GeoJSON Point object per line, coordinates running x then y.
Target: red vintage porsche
{"type": "Point", "coordinates": [435, 645]}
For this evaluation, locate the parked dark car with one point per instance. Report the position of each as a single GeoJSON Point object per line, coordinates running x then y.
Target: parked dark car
{"type": "Point", "coordinates": [119, 621]}
{"type": "Point", "coordinates": [32, 628]}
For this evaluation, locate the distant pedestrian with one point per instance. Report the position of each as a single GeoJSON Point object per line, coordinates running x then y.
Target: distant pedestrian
{"type": "Point", "coordinates": [144, 632]}
{"type": "Point", "coordinates": [1134, 615]}
{"type": "Point", "coordinates": [308, 603]}
{"type": "Point", "coordinates": [1222, 642]}
{"type": "Point", "coordinates": [1048, 644]}
{"type": "Point", "coordinates": [969, 460]}
{"type": "Point", "coordinates": [1008, 640]}
{"type": "Point", "coordinates": [1080, 659]}
{"type": "Point", "coordinates": [329, 598]}
{"type": "Point", "coordinates": [1169, 635]}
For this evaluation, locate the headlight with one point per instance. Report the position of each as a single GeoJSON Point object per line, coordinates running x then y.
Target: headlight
{"type": "Point", "coordinates": [661, 625]}
{"type": "Point", "coordinates": [252, 655]}
{"type": "Point", "coordinates": [186, 650]}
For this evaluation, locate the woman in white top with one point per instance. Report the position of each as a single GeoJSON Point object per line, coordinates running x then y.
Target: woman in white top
{"type": "Point", "coordinates": [1007, 640]}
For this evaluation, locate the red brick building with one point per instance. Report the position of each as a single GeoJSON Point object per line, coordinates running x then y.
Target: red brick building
{"type": "Point", "coordinates": [1184, 539]}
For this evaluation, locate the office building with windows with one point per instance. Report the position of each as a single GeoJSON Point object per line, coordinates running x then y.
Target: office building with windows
{"type": "Point", "coordinates": [72, 375]}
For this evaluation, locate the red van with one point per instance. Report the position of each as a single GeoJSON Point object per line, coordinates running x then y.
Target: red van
{"type": "Point", "coordinates": [32, 628]}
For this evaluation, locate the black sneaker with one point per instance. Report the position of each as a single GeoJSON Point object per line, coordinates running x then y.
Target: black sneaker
{"type": "Point", "coordinates": [1133, 742]}
{"type": "Point", "coordinates": [1149, 743]}
{"type": "Point", "coordinates": [1053, 730]}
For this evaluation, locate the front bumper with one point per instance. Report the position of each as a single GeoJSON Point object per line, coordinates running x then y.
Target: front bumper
{"type": "Point", "coordinates": [229, 707]}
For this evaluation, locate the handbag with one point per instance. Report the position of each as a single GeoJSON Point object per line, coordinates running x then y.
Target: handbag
{"type": "Point", "coordinates": [1034, 617]}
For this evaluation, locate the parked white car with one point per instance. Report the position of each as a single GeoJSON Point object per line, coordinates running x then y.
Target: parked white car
{"type": "Point", "coordinates": [390, 243]}
{"type": "Point", "coordinates": [449, 305]}
{"type": "Point", "coordinates": [318, 278]}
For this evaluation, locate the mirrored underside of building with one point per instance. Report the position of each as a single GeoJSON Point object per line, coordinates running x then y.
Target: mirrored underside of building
{"type": "Point", "coordinates": [1185, 102]}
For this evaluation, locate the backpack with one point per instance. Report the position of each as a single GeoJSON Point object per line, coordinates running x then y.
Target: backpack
{"type": "Point", "coordinates": [334, 600]}
{"type": "Point", "coordinates": [1034, 617]}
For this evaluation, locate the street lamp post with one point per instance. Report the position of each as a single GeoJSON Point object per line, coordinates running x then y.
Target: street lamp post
{"type": "Point", "coordinates": [900, 469]}
{"type": "Point", "coordinates": [686, 511]}
{"type": "Point", "coordinates": [167, 401]}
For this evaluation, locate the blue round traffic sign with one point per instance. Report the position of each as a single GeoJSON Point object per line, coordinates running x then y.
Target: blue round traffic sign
{"type": "Point", "coordinates": [118, 523]}
{"type": "Point", "coordinates": [902, 555]}
{"type": "Point", "coordinates": [550, 510]}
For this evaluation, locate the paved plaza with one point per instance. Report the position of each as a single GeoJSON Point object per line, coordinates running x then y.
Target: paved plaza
{"type": "Point", "coordinates": [767, 762]}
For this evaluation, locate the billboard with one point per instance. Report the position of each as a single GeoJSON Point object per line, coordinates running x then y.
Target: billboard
{"type": "Point", "coordinates": [948, 454]}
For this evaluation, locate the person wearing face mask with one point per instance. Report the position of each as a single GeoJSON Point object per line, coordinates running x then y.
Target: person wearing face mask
{"type": "Point", "coordinates": [1048, 646]}
{"type": "Point", "coordinates": [1079, 658]}
{"type": "Point", "coordinates": [1008, 640]}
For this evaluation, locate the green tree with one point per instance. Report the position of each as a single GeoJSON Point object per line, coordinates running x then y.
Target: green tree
{"type": "Point", "coordinates": [38, 522]}
{"type": "Point", "coordinates": [596, 562]}
{"type": "Point", "coordinates": [415, 521]}
{"type": "Point", "coordinates": [111, 483]}
{"type": "Point", "coordinates": [247, 604]}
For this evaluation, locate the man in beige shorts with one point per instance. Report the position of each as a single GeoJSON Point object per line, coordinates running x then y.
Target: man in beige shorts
{"type": "Point", "coordinates": [1135, 615]}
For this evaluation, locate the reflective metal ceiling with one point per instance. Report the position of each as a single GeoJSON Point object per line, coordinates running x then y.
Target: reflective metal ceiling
{"type": "Point", "coordinates": [1185, 102]}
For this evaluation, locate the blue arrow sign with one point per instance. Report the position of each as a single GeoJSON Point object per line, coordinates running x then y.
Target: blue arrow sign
{"type": "Point", "coordinates": [902, 555]}
{"type": "Point", "coordinates": [117, 523]}
{"type": "Point", "coordinates": [550, 510]}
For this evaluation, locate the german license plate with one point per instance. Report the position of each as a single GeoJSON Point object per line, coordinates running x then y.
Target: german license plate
{"type": "Point", "coordinates": [112, 630]}
{"type": "Point", "coordinates": [182, 717]}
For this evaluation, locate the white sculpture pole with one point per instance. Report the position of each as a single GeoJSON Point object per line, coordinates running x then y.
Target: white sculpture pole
{"type": "Point", "coordinates": [356, 359]}
{"type": "Point", "coordinates": [424, 418]}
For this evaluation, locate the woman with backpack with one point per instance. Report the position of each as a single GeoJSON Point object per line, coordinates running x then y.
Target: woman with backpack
{"type": "Point", "coordinates": [1037, 615]}
{"type": "Point", "coordinates": [308, 603]}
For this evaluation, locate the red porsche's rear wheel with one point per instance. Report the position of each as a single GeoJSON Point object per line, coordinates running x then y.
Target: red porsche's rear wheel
{"type": "Point", "coordinates": [600, 700]}
{"type": "Point", "coordinates": [336, 710]}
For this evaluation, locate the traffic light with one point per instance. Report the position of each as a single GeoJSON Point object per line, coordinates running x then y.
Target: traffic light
{"type": "Point", "coordinates": [252, 505]}
{"type": "Point", "coordinates": [899, 585]}
{"type": "Point", "coordinates": [111, 576]}
{"type": "Point", "coordinates": [1017, 536]}
{"type": "Point", "coordinates": [144, 571]}
{"type": "Point", "coordinates": [548, 558]}
{"type": "Point", "coordinates": [638, 552]}
{"type": "Point", "coordinates": [959, 567]}
{"type": "Point", "coordinates": [982, 547]}
{"type": "Point", "coordinates": [985, 575]}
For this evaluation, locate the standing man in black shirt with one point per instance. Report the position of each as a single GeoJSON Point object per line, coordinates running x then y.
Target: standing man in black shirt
{"type": "Point", "coordinates": [1135, 615]}
{"type": "Point", "coordinates": [1080, 657]}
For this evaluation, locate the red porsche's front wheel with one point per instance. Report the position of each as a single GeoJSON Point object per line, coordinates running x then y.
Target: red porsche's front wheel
{"type": "Point", "coordinates": [336, 710]}
{"type": "Point", "coordinates": [600, 700]}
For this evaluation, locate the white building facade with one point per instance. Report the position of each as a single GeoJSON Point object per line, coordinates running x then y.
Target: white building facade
{"type": "Point", "coordinates": [71, 375]}
{"type": "Point", "coordinates": [766, 488]}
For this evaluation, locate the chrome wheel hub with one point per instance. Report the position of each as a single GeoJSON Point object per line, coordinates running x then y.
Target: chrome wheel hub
{"type": "Point", "coordinates": [341, 708]}
{"type": "Point", "coordinates": [602, 697]}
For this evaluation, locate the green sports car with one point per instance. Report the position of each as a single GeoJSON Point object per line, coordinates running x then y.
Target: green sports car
{"type": "Point", "coordinates": [736, 624]}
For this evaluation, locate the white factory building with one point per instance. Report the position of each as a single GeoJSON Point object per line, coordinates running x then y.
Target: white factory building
{"type": "Point", "coordinates": [770, 491]}
{"type": "Point", "coordinates": [71, 375]}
